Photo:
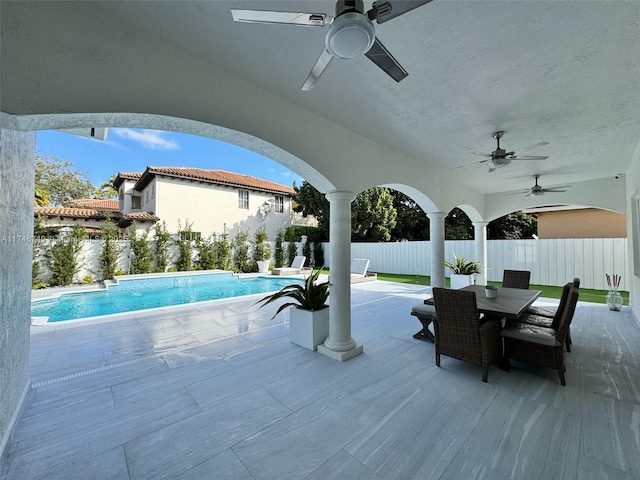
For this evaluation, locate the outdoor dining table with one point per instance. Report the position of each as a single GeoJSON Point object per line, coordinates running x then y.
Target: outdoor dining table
{"type": "Point", "coordinates": [510, 303]}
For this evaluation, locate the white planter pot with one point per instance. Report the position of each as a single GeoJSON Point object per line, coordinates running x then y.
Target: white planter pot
{"type": "Point", "coordinates": [263, 266]}
{"type": "Point", "coordinates": [460, 281]}
{"type": "Point", "coordinates": [308, 329]}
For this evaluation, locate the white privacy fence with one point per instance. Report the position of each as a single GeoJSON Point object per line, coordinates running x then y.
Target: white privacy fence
{"type": "Point", "coordinates": [551, 262]}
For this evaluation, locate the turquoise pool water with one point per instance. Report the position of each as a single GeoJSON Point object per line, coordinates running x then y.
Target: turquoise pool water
{"type": "Point", "coordinates": [143, 294]}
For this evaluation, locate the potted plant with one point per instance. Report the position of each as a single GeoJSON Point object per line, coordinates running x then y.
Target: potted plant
{"type": "Point", "coordinates": [461, 272]}
{"type": "Point", "coordinates": [309, 319]}
{"type": "Point", "coordinates": [262, 250]}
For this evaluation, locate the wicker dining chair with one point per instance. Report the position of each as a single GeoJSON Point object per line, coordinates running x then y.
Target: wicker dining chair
{"type": "Point", "coordinates": [516, 279]}
{"type": "Point", "coordinates": [460, 334]}
{"type": "Point", "coordinates": [541, 346]}
{"type": "Point", "coordinates": [546, 318]}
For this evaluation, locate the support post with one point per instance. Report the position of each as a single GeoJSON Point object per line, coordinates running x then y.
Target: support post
{"type": "Point", "coordinates": [436, 235]}
{"type": "Point", "coordinates": [480, 235]}
{"type": "Point", "coordinates": [339, 345]}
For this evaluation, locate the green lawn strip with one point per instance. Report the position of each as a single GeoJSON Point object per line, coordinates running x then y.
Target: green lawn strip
{"type": "Point", "coordinates": [548, 291]}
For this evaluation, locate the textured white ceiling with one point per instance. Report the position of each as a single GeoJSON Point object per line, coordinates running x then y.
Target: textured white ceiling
{"type": "Point", "coordinates": [563, 72]}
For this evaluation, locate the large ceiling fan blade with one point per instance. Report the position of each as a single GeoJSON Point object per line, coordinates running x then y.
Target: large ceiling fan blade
{"type": "Point", "coordinates": [379, 55]}
{"type": "Point", "coordinates": [469, 164]}
{"type": "Point", "coordinates": [383, 11]}
{"type": "Point", "coordinates": [553, 190]}
{"type": "Point", "coordinates": [281, 18]}
{"type": "Point", "coordinates": [482, 154]}
{"type": "Point", "coordinates": [529, 147]}
{"type": "Point", "coordinates": [316, 71]}
{"type": "Point", "coordinates": [530, 157]}
{"type": "Point", "coordinates": [519, 192]}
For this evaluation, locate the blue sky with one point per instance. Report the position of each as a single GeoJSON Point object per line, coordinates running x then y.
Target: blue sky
{"type": "Point", "coordinates": [132, 150]}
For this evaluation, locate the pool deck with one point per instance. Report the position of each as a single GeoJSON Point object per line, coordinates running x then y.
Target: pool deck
{"type": "Point", "coordinates": [218, 391]}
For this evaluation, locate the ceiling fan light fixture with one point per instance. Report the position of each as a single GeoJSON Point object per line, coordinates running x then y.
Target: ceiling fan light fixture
{"type": "Point", "coordinates": [499, 162]}
{"type": "Point", "coordinates": [537, 193]}
{"type": "Point", "coordinates": [350, 35]}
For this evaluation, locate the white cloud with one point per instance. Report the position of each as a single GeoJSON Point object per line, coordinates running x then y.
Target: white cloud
{"type": "Point", "coordinates": [150, 139]}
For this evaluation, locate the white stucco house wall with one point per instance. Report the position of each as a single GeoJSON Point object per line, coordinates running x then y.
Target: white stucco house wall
{"type": "Point", "coordinates": [209, 200]}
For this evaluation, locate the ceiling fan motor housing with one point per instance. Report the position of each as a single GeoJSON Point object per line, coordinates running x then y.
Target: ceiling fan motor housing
{"type": "Point", "coordinates": [350, 35]}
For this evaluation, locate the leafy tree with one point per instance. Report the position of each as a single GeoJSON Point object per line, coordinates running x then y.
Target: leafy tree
{"type": "Point", "coordinates": [106, 190]}
{"type": "Point", "coordinates": [140, 251]}
{"type": "Point", "coordinates": [241, 252]}
{"type": "Point", "coordinates": [457, 226]}
{"type": "Point", "coordinates": [306, 251]}
{"type": "Point", "coordinates": [372, 213]}
{"type": "Point", "coordinates": [292, 251]}
{"type": "Point", "coordinates": [309, 201]}
{"type": "Point", "coordinates": [278, 254]}
{"type": "Point", "coordinates": [318, 254]}
{"type": "Point", "coordinates": [39, 232]}
{"type": "Point", "coordinates": [412, 223]}
{"type": "Point", "coordinates": [207, 253]}
{"type": "Point", "coordinates": [512, 226]}
{"type": "Point", "coordinates": [261, 249]}
{"type": "Point", "coordinates": [58, 181]}
{"type": "Point", "coordinates": [185, 247]}
{"type": "Point", "coordinates": [163, 241]}
{"type": "Point", "coordinates": [223, 251]}
{"type": "Point", "coordinates": [373, 216]}
{"type": "Point", "coordinates": [111, 249]}
{"type": "Point", "coordinates": [62, 255]}
{"type": "Point", "coordinates": [41, 197]}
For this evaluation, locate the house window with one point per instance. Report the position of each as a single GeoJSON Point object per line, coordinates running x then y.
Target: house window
{"type": "Point", "coordinates": [153, 191]}
{"type": "Point", "coordinates": [279, 206]}
{"type": "Point", "coordinates": [136, 202]}
{"type": "Point", "coordinates": [146, 200]}
{"type": "Point", "coordinates": [243, 199]}
{"type": "Point", "coordinates": [190, 235]}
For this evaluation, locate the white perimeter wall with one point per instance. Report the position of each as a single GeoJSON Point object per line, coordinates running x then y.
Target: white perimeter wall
{"type": "Point", "coordinates": [551, 261]}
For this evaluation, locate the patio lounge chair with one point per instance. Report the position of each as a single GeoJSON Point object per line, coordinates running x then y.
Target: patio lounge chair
{"type": "Point", "coordinates": [542, 346]}
{"type": "Point", "coordinates": [359, 267]}
{"type": "Point", "coordinates": [296, 267]}
{"type": "Point", "coordinates": [459, 333]}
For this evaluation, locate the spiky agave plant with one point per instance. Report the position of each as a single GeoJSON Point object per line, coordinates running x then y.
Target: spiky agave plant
{"type": "Point", "coordinates": [463, 267]}
{"type": "Point", "coordinates": [310, 296]}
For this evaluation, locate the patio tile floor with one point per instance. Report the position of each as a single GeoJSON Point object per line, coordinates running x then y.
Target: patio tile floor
{"type": "Point", "coordinates": [217, 391]}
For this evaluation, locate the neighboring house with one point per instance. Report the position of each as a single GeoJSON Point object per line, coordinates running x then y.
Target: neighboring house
{"type": "Point", "coordinates": [209, 200]}
{"type": "Point", "coordinates": [576, 222]}
{"type": "Point", "coordinates": [92, 213]}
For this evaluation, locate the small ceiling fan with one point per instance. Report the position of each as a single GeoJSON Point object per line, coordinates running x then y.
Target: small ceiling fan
{"type": "Point", "coordinates": [351, 32]}
{"type": "Point", "coordinates": [538, 191]}
{"type": "Point", "coordinates": [501, 158]}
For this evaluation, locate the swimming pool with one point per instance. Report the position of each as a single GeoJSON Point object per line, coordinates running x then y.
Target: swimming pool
{"type": "Point", "coordinates": [153, 292]}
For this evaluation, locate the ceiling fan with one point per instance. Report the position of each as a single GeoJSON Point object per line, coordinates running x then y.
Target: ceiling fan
{"type": "Point", "coordinates": [351, 32]}
{"type": "Point", "coordinates": [501, 158]}
{"type": "Point", "coordinates": [538, 191]}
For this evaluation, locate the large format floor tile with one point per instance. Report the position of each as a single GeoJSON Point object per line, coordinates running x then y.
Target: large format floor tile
{"type": "Point", "coordinates": [217, 391]}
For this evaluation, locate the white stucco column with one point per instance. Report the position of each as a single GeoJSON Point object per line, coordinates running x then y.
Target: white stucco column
{"type": "Point", "coordinates": [436, 236]}
{"type": "Point", "coordinates": [340, 345]}
{"type": "Point", "coordinates": [17, 163]}
{"type": "Point", "coordinates": [480, 235]}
